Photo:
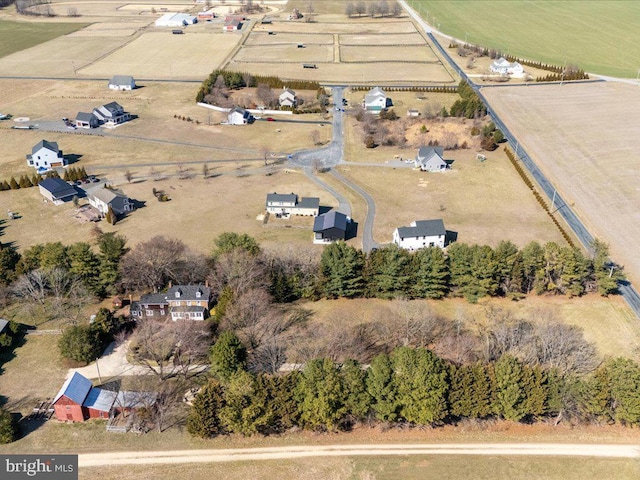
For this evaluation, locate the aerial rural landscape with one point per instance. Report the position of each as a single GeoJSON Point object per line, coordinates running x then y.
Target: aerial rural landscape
{"type": "Point", "coordinates": [317, 239]}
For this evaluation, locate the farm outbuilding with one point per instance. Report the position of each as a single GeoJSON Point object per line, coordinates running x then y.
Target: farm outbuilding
{"type": "Point", "coordinates": [56, 190]}
{"type": "Point", "coordinates": [122, 82]}
{"type": "Point", "coordinates": [176, 20]}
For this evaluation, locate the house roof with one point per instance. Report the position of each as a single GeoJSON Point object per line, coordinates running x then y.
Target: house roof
{"type": "Point", "coordinates": [189, 292]}
{"type": "Point", "coordinates": [86, 117]}
{"type": "Point", "coordinates": [121, 80]}
{"type": "Point", "coordinates": [329, 220]}
{"type": "Point", "coordinates": [58, 188]}
{"type": "Point", "coordinates": [53, 146]}
{"type": "Point", "coordinates": [287, 92]}
{"type": "Point", "coordinates": [153, 299]}
{"type": "Point", "coordinates": [3, 324]}
{"type": "Point", "coordinates": [113, 107]}
{"type": "Point", "coordinates": [423, 228]}
{"type": "Point", "coordinates": [115, 199]}
{"type": "Point", "coordinates": [75, 388]}
{"type": "Point", "coordinates": [282, 198]}
{"type": "Point", "coordinates": [100, 399]}
{"type": "Point", "coordinates": [373, 94]}
{"type": "Point", "coordinates": [309, 202]}
{"type": "Point", "coordinates": [427, 151]}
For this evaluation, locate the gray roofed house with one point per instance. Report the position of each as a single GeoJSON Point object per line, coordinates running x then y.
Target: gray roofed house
{"type": "Point", "coordinates": [330, 227]}
{"type": "Point", "coordinates": [103, 198]}
{"type": "Point", "coordinates": [285, 204]}
{"type": "Point", "coordinates": [429, 159]}
{"type": "Point", "coordinates": [56, 190]}
{"type": "Point", "coordinates": [122, 82]}
{"type": "Point", "coordinates": [190, 302]}
{"type": "Point", "coordinates": [46, 155]}
{"type": "Point", "coordinates": [111, 114]}
{"type": "Point", "coordinates": [3, 324]}
{"type": "Point", "coordinates": [87, 120]}
{"type": "Point", "coordinates": [421, 234]}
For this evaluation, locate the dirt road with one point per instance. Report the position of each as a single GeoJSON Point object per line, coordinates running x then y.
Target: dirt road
{"type": "Point", "coordinates": [277, 453]}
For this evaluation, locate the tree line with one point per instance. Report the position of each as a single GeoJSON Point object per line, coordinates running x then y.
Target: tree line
{"type": "Point", "coordinates": [25, 181]}
{"type": "Point", "coordinates": [408, 386]}
{"type": "Point", "coordinates": [234, 80]}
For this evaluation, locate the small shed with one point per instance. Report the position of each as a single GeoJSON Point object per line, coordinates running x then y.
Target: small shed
{"type": "Point", "coordinates": [67, 404]}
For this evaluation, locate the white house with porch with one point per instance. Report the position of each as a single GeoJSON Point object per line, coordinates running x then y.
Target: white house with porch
{"type": "Point", "coordinates": [420, 234]}
{"type": "Point", "coordinates": [288, 98]}
{"type": "Point", "coordinates": [505, 67]}
{"type": "Point", "coordinates": [375, 101]}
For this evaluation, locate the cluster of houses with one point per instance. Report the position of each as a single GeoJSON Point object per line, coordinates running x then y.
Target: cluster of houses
{"type": "Point", "coordinates": [110, 115]}
{"type": "Point", "coordinates": [243, 116]}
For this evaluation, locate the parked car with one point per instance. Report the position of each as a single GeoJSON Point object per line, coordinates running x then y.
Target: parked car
{"type": "Point", "coordinates": [271, 119]}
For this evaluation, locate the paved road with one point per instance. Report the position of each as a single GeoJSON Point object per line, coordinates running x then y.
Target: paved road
{"type": "Point", "coordinates": [343, 204]}
{"type": "Point", "coordinates": [177, 457]}
{"type": "Point", "coordinates": [367, 229]}
{"type": "Point", "coordinates": [626, 289]}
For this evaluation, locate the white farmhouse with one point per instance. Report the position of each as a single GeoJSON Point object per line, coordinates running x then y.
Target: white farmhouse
{"type": "Point", "coordinates": [45, 156]}
{"type": "Point", "coordinates": [111, 114]}
{"type": "Point", "coordinates": [504, 67]}
{"type": "Point", "coordinates": [239, 116]}
{"type": "Point", "coordinates": [376, 100]}
{"type": "Point", "coordinates": [288, 98]}
{"type": "Point", "coordinates": [122, 82]}
{"type": "Point", "coordinates": [420, 234]}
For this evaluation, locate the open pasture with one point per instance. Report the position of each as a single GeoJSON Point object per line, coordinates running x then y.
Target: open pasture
{"type": "Point", "coordinates": [163, 55]}
{"type": "Point", "coordinates": [263, 38]}
{"type": "Point", "coordinates": [359, 26]}
{"type": "Point", "coordinates": [17, 36]}
{"type": "Point", "coordinates": [285, 54]}
{"type": "Point", "coordinates": [585, 138]}
{"type": "Point", "coordinates": [110, 29]}
{"type": "Point", "coordinates": [550, 31]}
{"type": "Point", "coordinates": [404, 39]}
{"type": "Point", "coordinates": [62, 56]}
{"type": "Point", "coordinates": [412, 54]}
{"type": "Point", "coordinates": [367, 73]}
{"type": "Point", "coordinates": [484, 202]}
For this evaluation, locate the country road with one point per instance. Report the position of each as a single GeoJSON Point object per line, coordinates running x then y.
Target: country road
{"type": "Point", "coordinates": [279, 453]}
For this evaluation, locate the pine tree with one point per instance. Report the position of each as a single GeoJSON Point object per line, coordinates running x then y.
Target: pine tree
{"type": "Point", "coordinates": [388, 272]}
{"type": "Point", "coordinates": [227, 356]}
{"type": "Point", "coordinates": [536, 389]}
{"type": "Point", "coordinates": [430, 273]}
{"type": "Point", "coordinates": [110, 217]}
{"type": "Point", "coordinates": [461, 391]}
{"type": "Point", "coordinates": [509, 394]}
{"type": "Point", "coordinates": [341, 268]}
{"type": "Point", "coordinates": [381, 388]}
{"type": "Point", "coordinates": [13, 184]}
{"type": "Point", "coordinates": [624, 380]}
{"type": "Point", "coordinates": [607, 274]}
{"type": "Point", "coordinates": [244, 410]}
{"type": "Point", "coordinates": [357, 400]}
{"type": "Point", "coordinates": [204, 418]}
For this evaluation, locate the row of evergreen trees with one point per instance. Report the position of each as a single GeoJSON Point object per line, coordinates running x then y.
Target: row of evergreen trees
{"type": "Point", "coordinates": [470, 271]}
{"type": "Point", "coordinates": [469, 105]}
{"type": "Point", "coordinates": [235, 80]}
{"type": "Point", "coordinates": [411, 386]}
{"type": "Point", "coordinates": [73, 174]}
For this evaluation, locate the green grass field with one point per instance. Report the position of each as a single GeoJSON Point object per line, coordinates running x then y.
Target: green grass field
{"type": "Point", "coordinates": [16, 36]}
{"type": "Point", "coordinates": [598, 36]}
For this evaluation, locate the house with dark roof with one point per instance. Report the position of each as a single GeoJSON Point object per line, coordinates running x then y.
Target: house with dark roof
{"type": "Point", "coordinates": [56, 190]}
{"type": "Point", "coordinates": [285, 204]}
{"type": "Point", "coordinates": [180, 302]}
{"type": "Point", "coordinates": [46, 155]}
{"type": "Point", "coordinates": [111, 114]}
{"type": "Point", "coordinates": [239, 116]}
{"type": "Point", "coordinates": [87, 120]}
{"type": "Point", "coordinates": [420, 234]}
{"type": "Point", "coordinates": [122, 82]}
{"type": "Point", "coordinates": [429, 159]}
{"type": "Point", "coordinates": [330, 227]}
{"type": "Point", "coordinates": [103, 198]}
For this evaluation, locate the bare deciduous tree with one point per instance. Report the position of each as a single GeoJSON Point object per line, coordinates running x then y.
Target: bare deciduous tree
{"type": "Point", "coordinates": [239, 271]}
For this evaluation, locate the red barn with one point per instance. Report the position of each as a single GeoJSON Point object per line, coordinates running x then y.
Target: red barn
{"type": "Point", "coordinates": [78, 400]}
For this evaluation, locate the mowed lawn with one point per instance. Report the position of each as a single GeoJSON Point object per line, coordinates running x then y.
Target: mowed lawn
{"type": "Point", "coordinates": [600, 37]}
{"type": "Point", "coordinates": [16, 36]}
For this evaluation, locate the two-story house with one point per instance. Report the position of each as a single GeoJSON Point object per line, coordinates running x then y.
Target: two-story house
{"type": "Point", "coordinates": [181, 302]}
